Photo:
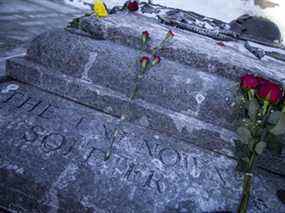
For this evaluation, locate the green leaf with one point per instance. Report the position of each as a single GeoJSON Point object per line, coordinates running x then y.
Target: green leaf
{"type": "Point", "coordinates": [275, 144]}
{"type": "Point", "coordinates": [274, 117]}
{"type": "Point", "coordinates": [252, 109]}
{"type": "Point", "coordinates": [244, 134]}
{"type": "Point", "coordinates": [279, 129]}
{"type": "Point", "coordinates": [259, 148]}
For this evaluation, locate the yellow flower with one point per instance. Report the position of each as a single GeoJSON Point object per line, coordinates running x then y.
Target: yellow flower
{"type": "Point", "coordinates": [100, 9]}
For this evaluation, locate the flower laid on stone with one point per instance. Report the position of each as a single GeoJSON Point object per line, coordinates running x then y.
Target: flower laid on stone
{"type": "Point", "coordinates": [100, 9]}
{"type": "Point", "coordinates": [145, 62]}
{"type": "Point", "coordinates": [261, 127]}
{"type": "Point", "coordinates": [133, 5]}
{"type": "Point", "coordinates": [168, 37]}
{"type": "Point", "coordinates": [145, 38]}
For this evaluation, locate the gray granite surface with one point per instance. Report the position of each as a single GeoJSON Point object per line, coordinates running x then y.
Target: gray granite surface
{"type": "Point", "coordinates": [173, 98]}
{"type": "Point", "coordinates": [64, 147]}
{"type": "Point", "coordinates": [52, 159]}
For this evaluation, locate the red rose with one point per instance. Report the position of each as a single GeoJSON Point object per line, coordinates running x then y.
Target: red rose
{"type": "Point", "coordinates": [248, 81]}
{"type": "Point", "coordinates": [145, 34]}
{"type": "Point", "coordinates": [261, 80]}
{"type": "Point", "coordinates": [145, 37]}
{"type": "Point", "coordinates": [144, 62]}
{"type": "Point", "coordinates": [155, 60]}
{"type": "Point", "coordinates": [133, 6]}
{"type": "Point", "coordinates": [270, 92]}
{"type": "Point", "coordinates": [169, 35]}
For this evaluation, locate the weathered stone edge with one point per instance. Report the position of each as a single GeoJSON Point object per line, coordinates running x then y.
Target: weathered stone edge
{"type": "Point", "coordinates": [226, 61]}
{"type": "Point", "coordinates": [214, 138]}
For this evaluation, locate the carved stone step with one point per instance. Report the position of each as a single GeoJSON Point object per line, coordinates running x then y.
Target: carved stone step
{"type": "Point", "coordinates": [192, 49]}
{"type": "Point", "coordinates": [173, 99]}
{"type": "Point", "coordinates": [52, 159]}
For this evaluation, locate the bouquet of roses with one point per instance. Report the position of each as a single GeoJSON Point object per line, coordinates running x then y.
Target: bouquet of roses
{"type": "Point", "coordinates": [261, 127]}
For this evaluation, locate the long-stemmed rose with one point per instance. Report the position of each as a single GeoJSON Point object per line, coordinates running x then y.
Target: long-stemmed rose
{"type": "Point", "coordinates": [168, 37]}
{"type": "Point", "coordinates": [145, 62]}
{"type": "Point", "coordinates": [261, 102]}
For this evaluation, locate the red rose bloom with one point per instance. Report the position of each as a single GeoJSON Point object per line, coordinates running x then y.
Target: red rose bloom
{"type": "Point", "coordinates": [261, 80]}
{"type": "Point", "coordinates": [270, 92]}
{"type": "Point", "coordinates": [144, 62]}
{"type": "Point", "coordinates": [145, 34]}
{"type": "Point", "coordinates": [248, 81]}
{"type": "Point", "coordinates": [145, 37]}
{"type": "Point", "coordinates": [133, 6]}
{"type": "Point", "coordinates": [169, 35]}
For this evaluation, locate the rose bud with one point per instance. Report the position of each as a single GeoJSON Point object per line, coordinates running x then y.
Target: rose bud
{"type": "Point", "coordinates": [144, 62]}
{"type": "Point", "coordinates": [155, 60]}
{"type": "Point", "coordinates": [145, 37]}
{"type": "Point", "coordinates": [248, 81]}
{"type": "Point", "coordinates": [133, 6]}
{"type": "Point", "coordinates": [271, 93]}
{"type": "Point", "coordinates": [169, 35]}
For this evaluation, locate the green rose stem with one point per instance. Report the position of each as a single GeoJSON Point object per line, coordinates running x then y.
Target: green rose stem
{"type": "Point", "coordinates": [144, 66]}
{"type": "Point", "coordinates": [136, 89]}
{"type": "Point", "coordinates": [265, 107]}
{"type": "Point", "coordinates": [247, 185]}
{"type": "Point", "coordinates": [247, 181]}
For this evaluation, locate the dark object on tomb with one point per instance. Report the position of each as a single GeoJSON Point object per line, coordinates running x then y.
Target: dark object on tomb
{"type": "Point", "coordinates": [248, 28]}
{"type": "Point", "coordinates": [256, 28]}
{"type": "Point", "coordinates": [281, 195]}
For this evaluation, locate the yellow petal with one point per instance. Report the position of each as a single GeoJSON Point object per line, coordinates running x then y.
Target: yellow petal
{"type": "Point", "coordinates": [99, 8]}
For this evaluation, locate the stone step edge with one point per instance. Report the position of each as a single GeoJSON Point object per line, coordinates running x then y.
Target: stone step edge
{"type": "Point", "coordinates": [24, 71]}
{"type": "Point", "coordinates": [218, 64]}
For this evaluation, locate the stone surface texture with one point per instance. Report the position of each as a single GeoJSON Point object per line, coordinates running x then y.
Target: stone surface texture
{"type": "Point", "coordinates": [21, 21]}
{"type": "Point", "coordinates": [174, 152]}
{"type": "Point", "coordinates": [52, 159]}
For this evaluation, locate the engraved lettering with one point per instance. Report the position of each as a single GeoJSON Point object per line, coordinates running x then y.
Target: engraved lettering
{"type": "Point", "coordinates": [53, 142]}
{"type": "Point", "coordinates": [92, 151]}
{"type": "Point", "coordinates": [32, 134]}
{"type": "Point", "coordinates": [47, 112]}
{"type": "Point", "coordinates": [129, 171]}
{"type": "Point", "coordinates": [79, 122]}
{"type": "Point", "coordinates": [12, 96]}
{"type": "Point", "coordinates": [185, 160]}
{"type": "Point", "coordinates": [69, 150]}
{"type": "Point", "coordinates": [150, 179]}
{"type": "Point", "coordinates": [29, 102]}
{"type": "Point", "coordinates": [151, 150]}
{"type": "Point", "coordinates": [169, 161]}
